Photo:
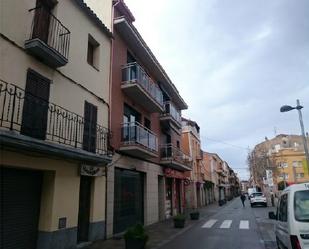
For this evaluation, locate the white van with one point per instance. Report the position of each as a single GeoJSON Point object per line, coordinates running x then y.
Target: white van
{"type": "Point", "coordinates": [292, 226]}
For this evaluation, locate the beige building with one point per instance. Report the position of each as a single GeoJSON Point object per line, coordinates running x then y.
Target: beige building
{"type": "Point", "coordinates": [54, 95]}
{"type": "Point", "coordinates": [278, 162]}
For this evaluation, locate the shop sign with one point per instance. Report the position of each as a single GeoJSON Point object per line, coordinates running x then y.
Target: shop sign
{"type": "Point", "coordinates": [173, 173]}
{"type": "Point", "coordinates": [89, 170]}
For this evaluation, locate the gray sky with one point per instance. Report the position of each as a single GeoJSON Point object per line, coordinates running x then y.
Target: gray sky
{"type": "Point", "coordinates": [235, 63]}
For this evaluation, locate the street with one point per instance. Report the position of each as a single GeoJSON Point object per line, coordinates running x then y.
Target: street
{"type": "Point", "coordinates": [233, 227]}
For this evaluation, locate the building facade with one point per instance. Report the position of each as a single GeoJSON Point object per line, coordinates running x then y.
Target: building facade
{"type": "Point", "coordinates": [54, 95]}
{"type": "Point", "coordinates": [145, 179]}
{"type": "Point", "coordinates": [192, 146]}
{"type": "Point", "coordinates": [278, 162]}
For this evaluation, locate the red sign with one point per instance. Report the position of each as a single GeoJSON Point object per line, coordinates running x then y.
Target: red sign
{"type": "Point", "coordinates": [174, 173]}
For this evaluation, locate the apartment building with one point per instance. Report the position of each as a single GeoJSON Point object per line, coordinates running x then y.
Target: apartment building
{"type": "Point", "coordinates": [192, 147]}
{"type": "Point", "coordinates": [145, 178]}
{"type": "Point", "coordinates": [208, 180]}
{"type": "Point", "coordinates": [219, 175]}
{"type": "Point", "coordinates": [284, 157]}
{"type": "Point", "coordinates": [54, 95]}
{"type": "Point", "coordinates": [291, 166]}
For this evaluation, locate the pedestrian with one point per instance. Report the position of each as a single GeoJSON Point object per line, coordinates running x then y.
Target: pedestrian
{"type": "Point", "coordinates": [243, 198]}
{"type": "Point", "coordinates": [272, 199]}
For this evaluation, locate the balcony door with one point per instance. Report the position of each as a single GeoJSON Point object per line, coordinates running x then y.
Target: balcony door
{"type": "Point", "coordinates": [35, 110]}
{"type": "Point", "coordinates": [130, 117]}
{"type": "Point", "coordinates": [42, 19]}
{"type": "Point", "coordinates": [90, 127]}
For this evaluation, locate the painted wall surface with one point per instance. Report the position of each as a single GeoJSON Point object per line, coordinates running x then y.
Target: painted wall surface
{"type": "Point", "coordinates": [60, 190]}
{"type": "Point", "coordinates": [103, 9]}
{"type": "Point", "coordinates": [290, 156]}
{"type": "Point", "coordinates": [72, 84]}
{"type": "Point", "coordinates": [60, 187]}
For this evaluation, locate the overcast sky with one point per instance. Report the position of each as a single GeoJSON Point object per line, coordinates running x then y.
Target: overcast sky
{"type": "Point", "coordinates": [235, 63]}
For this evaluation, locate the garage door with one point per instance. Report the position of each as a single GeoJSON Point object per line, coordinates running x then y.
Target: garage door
{"type": "Point", "coordinates": [20, 192]}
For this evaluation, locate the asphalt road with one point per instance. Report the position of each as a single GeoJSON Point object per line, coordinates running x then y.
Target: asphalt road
{"type": "Point", "coordinates": [233, 227]}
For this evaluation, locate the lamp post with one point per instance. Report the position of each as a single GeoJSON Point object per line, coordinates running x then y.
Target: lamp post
{"type": "Point", "coordinates": [298, 107]}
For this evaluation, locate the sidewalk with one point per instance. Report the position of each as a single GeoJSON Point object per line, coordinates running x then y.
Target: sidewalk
{"type": "Point", "coordinates": [162, 232]}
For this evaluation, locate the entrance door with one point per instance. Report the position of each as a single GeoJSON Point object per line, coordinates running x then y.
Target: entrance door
{"type": "Point", "coordinates": [178, 196]}
{"type": "Point", "coordinates": [168, 197]}
{"type": "Point", "coordinates": [84, 208]}
{"type": "Point", "coordinates": [20, 195]}
{"type": "Point", "coordinates": [128, 199]}
{"type": "Point", "coordinates": [35, 110]}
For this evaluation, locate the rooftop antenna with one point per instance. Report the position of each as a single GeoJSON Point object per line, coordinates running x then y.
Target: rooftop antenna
{"type": "Point", "coordinates": [275, 131]}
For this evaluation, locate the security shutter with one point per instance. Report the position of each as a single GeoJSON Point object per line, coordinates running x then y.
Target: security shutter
{"type": "Point", "coordinates": [20, 193]}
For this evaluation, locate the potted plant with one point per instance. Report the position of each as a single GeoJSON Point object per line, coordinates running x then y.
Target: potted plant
{"type": "Point", "coordinates": [179, 221]}
{"type": "Point", "coordinates": [136, 237]}
{"type": "Point", "coordinates": [195, 215]}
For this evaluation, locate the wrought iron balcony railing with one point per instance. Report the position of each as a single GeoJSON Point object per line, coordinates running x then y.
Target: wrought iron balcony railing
{"type": "Point", "coordinates": [133, 133]}
{"type": "Point", "coordinates": [47, 29]}
{"type": "Point", "coordinates": [170, 109]}
{"type": "Point", "coordinates": [35, 117]}
{"type": "Point", "coordinates": [170, 152]}
{"type": "Point", "coordinates": [133, 72]}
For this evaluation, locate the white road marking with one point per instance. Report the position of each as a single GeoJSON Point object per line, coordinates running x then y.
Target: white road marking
{"type": "Point", "coordinates": [244, 224]}
{"type": "Point", "coordinates": [209, 224]}
{"type": "Point", "coordinates": [226, 224]}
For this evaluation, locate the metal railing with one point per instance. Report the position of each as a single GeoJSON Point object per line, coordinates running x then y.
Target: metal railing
{"type": "Point", "coordinates": [170, 109]}
{"type": "Point", "coordinates": [35, 117]}
{"type": "Point", "coordinates": [170, 152]}
{"type": "Point", "coordinates": [50, 30]}
{"type": "Point", "coordinates": [134, 133]}
{"type": "Point", "coordinates": [133, 72]}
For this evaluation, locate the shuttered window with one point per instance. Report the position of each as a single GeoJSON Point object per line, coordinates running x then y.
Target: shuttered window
{"type": "Point", "coordinates": [90, 127]}
{"type": "Point", "coordinates": [35, 109]}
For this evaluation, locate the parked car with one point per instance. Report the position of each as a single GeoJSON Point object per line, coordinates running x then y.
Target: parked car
{"type": "Point", "coordinates": [258, 198]}
{"type": "Point", "coordinates": [292, 218]}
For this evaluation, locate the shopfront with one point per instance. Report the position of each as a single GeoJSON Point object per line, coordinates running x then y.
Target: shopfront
{"type": "Point", "coordinates": [175, 194]}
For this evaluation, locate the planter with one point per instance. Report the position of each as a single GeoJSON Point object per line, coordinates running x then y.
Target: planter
{"type": "Point", "coordinates": [179, 223]}
{"type": "Point", "coordinates": [195, 216]}
{"type": "Point", "coordinates": [132, 243]}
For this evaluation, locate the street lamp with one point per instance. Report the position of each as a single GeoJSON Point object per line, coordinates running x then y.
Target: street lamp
{"type": "Point", "coordinates": [298, 107]}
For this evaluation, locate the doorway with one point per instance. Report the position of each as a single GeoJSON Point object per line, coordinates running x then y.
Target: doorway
{"type": "Point", "coordinates": [84, 208]}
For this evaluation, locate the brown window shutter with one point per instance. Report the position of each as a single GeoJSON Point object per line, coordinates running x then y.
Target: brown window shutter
{"type": "Point", "coordinates": [90, 127]}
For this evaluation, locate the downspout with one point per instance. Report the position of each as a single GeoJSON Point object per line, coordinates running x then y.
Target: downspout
{"type": "Point", "coordinates": [110, 106]}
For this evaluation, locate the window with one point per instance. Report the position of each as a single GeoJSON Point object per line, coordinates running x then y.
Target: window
{"type": "Point", "coordinates": [297, 164]}
{"type": "Point", "coordinates": [283, 165]}
{"type": "Point", "coordinates": [301, 205]}
{"type": "Point", "coordinates": [93, 52]}
{"type": "Point", "coordinates": [283, 208]}
{"type": "Point", "coordinates": [90, 127]}
{"type": "Point", "coordinates": [300, 175]}
{"type": "Point", "coordinates": [284, 176]}
{"type": "Point", "coordinates": [147, 123]}
{"type": "Point", "coordinates": [35, 109]}
{"type": "Point", "coordinates": [178, 144]}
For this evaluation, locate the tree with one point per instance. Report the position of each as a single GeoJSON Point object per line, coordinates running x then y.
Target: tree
{"type": "Point", "coordinates": [259, 160]}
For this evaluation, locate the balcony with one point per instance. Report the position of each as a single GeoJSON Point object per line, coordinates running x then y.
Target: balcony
{"type": "Point", "coordinates": [49, 39]}
{"type": "Point", "coordinates": [173, 157]}
{"type": "Point", "coordinates": [30, 123]}
{"type": "Point", "coordinates": [140, 87]}
{"type": "Point", "coordinates": [138, 141]}
{"type": "Point", "coordinates": [171, 115]}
